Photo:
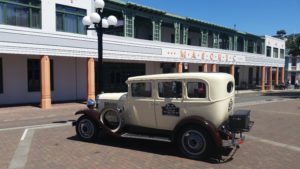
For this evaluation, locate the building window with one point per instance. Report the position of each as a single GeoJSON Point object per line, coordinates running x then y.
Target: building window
{"type": "Point", "coordinates": [68, 19]}
{"type": "Point", "coordinates": [1, 76]}
{"type": "Point", "coordinates": [294, 61]}
{"type": "Point", "coordinates": [275, 52]}
{"type": "Point", "coordinates": [141, 89]}
{"type": "Point", "coordinates": [172, 38]}
{"type": "Point", "coordinates": [268, 51]}
{"type": "Point", "coordinates": [281, 53]}
{"type": "Point", "coordinates": [25, 13]}
{"type": "Point", "coordinates": [33, 73]}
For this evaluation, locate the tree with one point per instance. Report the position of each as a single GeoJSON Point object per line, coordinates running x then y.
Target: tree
{"type": "Point", "coordinates": [281, 33]}
{"type": "Point", "coordinates": [293, 44]}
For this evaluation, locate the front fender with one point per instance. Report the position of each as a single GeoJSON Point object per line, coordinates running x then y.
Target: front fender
{"type": "Point", "coordinates": [94, 114]}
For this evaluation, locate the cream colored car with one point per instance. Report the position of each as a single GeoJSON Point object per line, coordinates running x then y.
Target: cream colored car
{"type": "Point", "coordinates": [194, 110]}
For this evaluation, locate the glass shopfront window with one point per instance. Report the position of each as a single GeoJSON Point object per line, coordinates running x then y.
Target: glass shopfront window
{"type": "Point", "coordinates": [25, 13]}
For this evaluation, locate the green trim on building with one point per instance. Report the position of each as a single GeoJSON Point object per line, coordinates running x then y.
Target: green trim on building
{"type": "Point", "coordinates": [156, 30]}
{"type": "Point", "coordinates": [185, 35]}
{"type": "Point", "coordinates": [177, 32]}
{"type": "Point", "coordinates": [25, 5]}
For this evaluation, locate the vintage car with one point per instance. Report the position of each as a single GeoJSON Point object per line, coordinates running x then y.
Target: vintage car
{"type": "Point", "coordinates": [193, 110]}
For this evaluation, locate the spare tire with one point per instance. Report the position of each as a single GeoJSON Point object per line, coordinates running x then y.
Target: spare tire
{"type": "Point", "coordinates": [112, 120]}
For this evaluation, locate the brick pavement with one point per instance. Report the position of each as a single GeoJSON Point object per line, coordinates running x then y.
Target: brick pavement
{"type": "Point", "coordinates": [59, 148]}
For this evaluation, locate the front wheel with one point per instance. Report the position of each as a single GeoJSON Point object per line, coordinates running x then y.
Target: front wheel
{"type": "Point", "coordinates": [194, 143]}
{"type": "Point", "coordinates": [86, 129]}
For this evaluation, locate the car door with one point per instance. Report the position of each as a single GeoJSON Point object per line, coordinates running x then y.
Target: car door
{"type": "Point", "coordinates": [168, 103]}
{"type": "Point", "coordinates": [141, 104]}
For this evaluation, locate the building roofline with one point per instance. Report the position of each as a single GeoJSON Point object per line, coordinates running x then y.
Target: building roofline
{"type": "Point", "coordinates": [161, 12]}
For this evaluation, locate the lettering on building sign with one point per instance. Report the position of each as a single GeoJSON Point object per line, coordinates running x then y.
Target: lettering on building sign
{"type": "Point", "coordinates": [203, 56]}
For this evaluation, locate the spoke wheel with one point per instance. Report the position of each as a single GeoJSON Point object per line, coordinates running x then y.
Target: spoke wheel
{"type": "Point", "coordinates": [194, 143]}
{"type": "Point", "coordinates": [86, 129]}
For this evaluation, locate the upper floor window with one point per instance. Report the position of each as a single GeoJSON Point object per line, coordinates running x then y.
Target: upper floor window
{"type": "Point", "coordinates": [275, 52]}
{"type": "Point", "coordinates": [25, 13]}
{"type": "Point", "coordinates": [281, 53]}
{"type": "Point", "coordinates": [268, 51]}
{"type": "Point", "coordinates": [68, 19]}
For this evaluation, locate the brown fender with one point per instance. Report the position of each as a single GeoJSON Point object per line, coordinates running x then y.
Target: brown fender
{"type": "Point", "coordinates": [205, 124]}
{"type": "Point", "coordinates": [94, 114]}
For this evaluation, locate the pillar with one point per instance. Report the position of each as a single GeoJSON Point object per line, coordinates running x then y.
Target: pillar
{"type": "Point", "coordinates": [214, 68]}
{"type": "Point", "coordinates": [277, 76]}
{"type": "Point", "coordinates": [185, 37]}
{"type": "Point", "coordinates": [262, 78]}
{"type": "Point", "coordinates": [177, 32]}
{"type": "Point", "coordinates": [129, 24]}
{"type": "Point", "coordinates": [270, 78]}
{"type": "Point", "coordinates": [156, 30]}
{"type": "Point", "coordinates": [179, 67]}
{"type": "Point", "coordinates": [205, 67]}
{"type": "Point", "coordinates": [90, 79]}
{"type": "Point", "coordinates": [45, 83]}
{"type": "Point", "coordinates": [231, 70]}
{"type": "Point", "coordinates": [282, 76]}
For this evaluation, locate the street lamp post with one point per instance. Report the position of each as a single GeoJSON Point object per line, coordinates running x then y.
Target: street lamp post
{"type": "Point", "coordinates": [99, 23]}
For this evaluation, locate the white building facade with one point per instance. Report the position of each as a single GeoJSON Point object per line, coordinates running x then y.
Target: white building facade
{"type": "Point", "coordinates": [33, 31]}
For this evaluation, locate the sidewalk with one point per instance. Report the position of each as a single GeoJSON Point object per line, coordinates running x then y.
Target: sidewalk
{"type": "Point", "coordinates": [27, 113]}
{"type": "Point", "coordinates": [266, 92]}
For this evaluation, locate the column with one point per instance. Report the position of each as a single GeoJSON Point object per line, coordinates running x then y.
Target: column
{"type": "Point", "coordinates": [235, 43]}
{"type": "Point", "coordinates": [231, 42]}
{"type": "Point", "coordinates": [282, 76]}
{"type": "Point", "coordinates": [262, 78]}
{"type": "Point", "coordinates": [204, 67]}
{"type": "Point", "coordinates": [214, 68]}
{"type": "Point", "coordinates": [245, 45]}
{"type": "Point", "coordinates": [216, 40]}
{"type": "Point", "coordinates": [90, 79]}
{"type": "Point", "coordinates": [277, 76]}
{"type": "Point", "coordinates": [254, 47]}
{"type": "Point", "coordinates": [177, 32]}
{"type": "Point", "coordinates": [128, 24]}
{"type": "Point", "coordinates": [231, 70]}
{"type": "Point", "coordinates": [270, 78]}
{"type": "Point", "coordinates": [185, 35]}
{"type": "Point", "coordinates": [45, 83]}
{"type": "Point", "coordinates": [179, 67]}
{"type": "Point", "coordinates": [156, 34]}
{"type": "Point", "coordinates": [204, 38]}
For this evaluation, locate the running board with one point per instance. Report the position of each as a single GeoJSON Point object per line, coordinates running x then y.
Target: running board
{"type": "Point", "coordinates": [145, 137]}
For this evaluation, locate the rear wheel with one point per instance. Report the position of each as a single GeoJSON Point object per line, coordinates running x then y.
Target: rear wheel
{"type": "Point", "coordinates": [86, 128]}
{"type": "Point", "coordinates": [194, 142]}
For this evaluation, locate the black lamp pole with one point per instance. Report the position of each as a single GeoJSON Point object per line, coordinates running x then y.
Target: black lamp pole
{"type": "Point", "coordinates": [99, 31]}
{"type": "Point", "coordinates": [98, 28]}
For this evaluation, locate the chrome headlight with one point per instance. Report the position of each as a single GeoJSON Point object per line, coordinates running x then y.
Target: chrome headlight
{"type": "Point", "coordinates": [90, 104]}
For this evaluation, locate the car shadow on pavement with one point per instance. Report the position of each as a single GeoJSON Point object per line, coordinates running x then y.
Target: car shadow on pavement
{"type": "Point", "coordinates": [149, 146]}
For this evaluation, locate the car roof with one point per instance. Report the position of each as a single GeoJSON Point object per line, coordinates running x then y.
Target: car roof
{"type": "Point", "coordinates": [205, 76]}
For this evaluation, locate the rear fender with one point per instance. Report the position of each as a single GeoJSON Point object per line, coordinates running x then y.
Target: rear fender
{"type": "Point", "coordinates": [205, 124]}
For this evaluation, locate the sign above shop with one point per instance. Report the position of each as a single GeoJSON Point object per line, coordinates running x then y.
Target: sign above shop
{"type": "Point", "coordinates": [203, 56]}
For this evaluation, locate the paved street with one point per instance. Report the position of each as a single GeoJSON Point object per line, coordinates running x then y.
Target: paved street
{"type": "Point", "coordinates": [32, 138]}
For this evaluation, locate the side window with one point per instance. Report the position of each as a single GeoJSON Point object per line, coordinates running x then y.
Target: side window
{"type": "Point", "coordinates": [171, 89]}
{"type": "Point", "coordinates": [142, 89]}
{"type": "Point", "coordinates": [196, 90]}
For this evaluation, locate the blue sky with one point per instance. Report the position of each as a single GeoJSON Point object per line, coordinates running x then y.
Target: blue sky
{"type": "Point", "coordinates": [259, 17]}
